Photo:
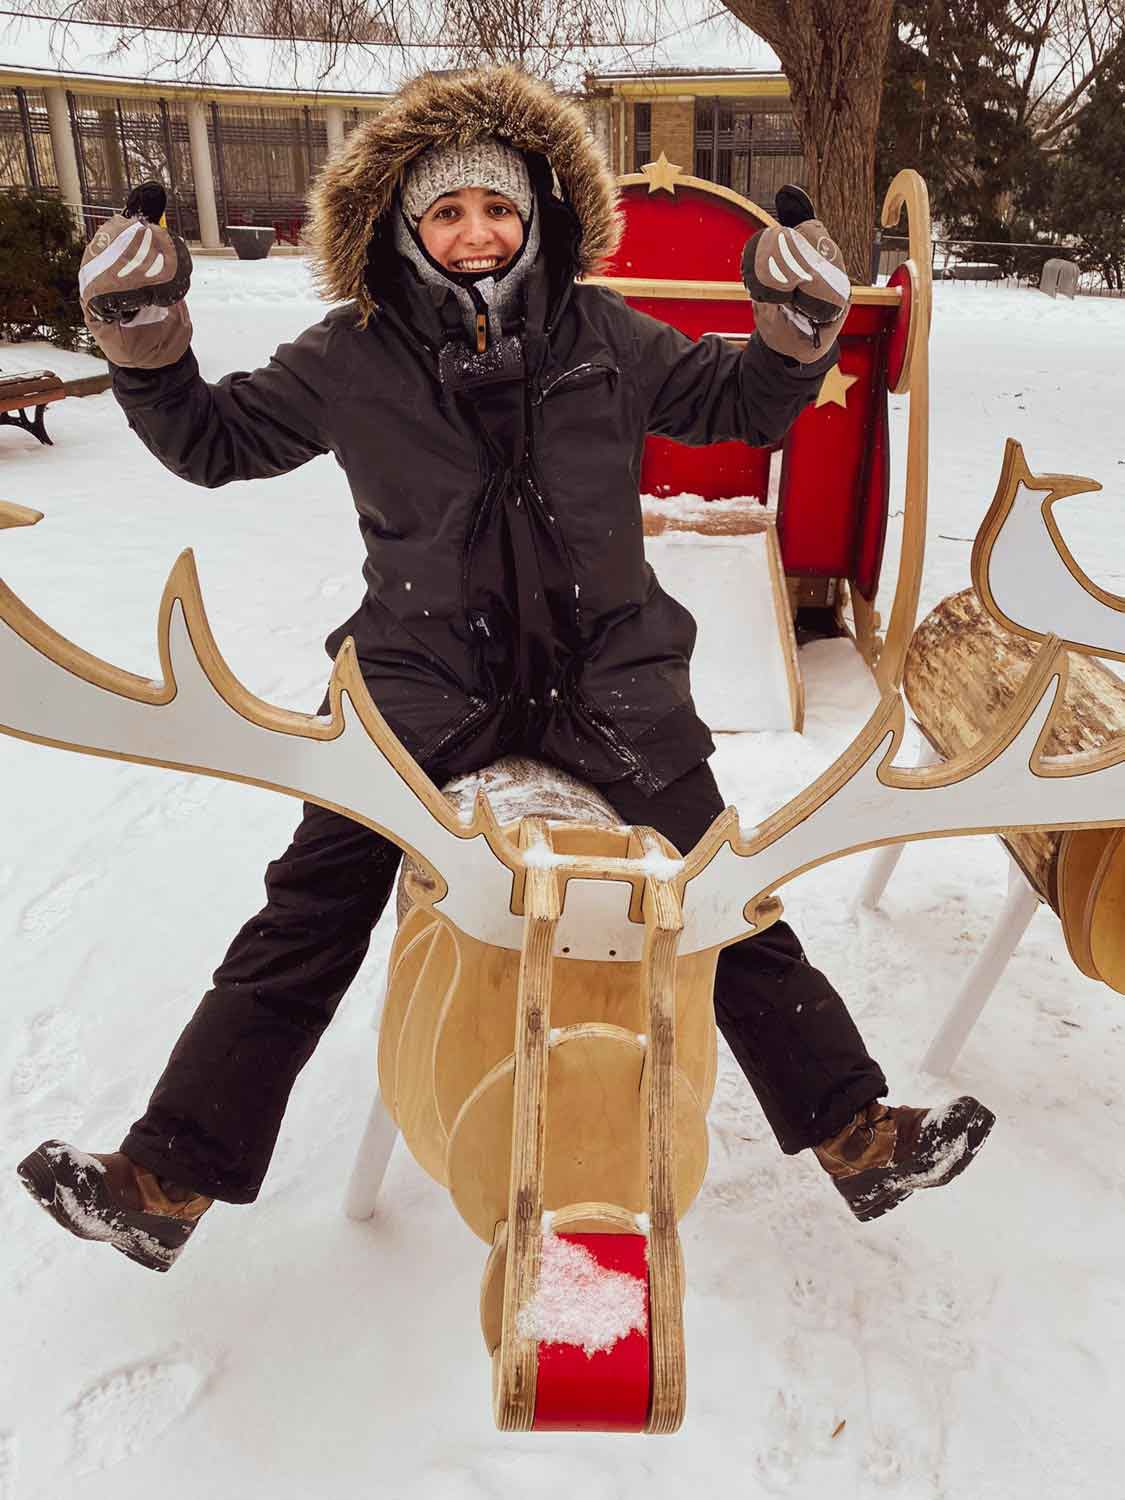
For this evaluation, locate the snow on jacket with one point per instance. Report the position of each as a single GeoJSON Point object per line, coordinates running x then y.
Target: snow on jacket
{"type": "Point", "coordinates": [508, 605]}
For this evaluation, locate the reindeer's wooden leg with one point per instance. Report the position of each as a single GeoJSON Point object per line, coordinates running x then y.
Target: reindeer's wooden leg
{"type": "Point", "coordinates": [371, 1160]}
{"type": "Point", "coordinates": [663, 925]}
{"type": "Point", "coordinates": [515, 1364]}
{"type": "Point", "coordinates": [1018, 911]}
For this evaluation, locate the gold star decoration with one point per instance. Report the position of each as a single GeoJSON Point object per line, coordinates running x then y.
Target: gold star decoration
{"type": "Point", "coordinates": [661, 173]}
{"type": "Point", "coordinates": [834, 391]}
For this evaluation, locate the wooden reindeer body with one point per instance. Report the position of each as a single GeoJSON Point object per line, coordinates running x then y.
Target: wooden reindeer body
{"type": "Point", "coordinates": [464, 1074]}
{"type": "Point", "coordinates": [548, 1044]}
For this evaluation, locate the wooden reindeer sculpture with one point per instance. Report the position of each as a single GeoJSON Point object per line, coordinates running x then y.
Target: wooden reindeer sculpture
{"type": "Point", "coordinates": [548, 1045]}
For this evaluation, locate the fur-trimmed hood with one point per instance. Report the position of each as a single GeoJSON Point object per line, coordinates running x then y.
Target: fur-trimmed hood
{"type": "Point", "coordinates": [356, 188]}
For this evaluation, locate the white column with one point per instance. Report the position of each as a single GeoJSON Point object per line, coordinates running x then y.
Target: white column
{"type": "Point", "coordinates": [334, 122]}
{"type": "Point", "coordinates": [62, 143]}
{"type": "Point", "coordinates": [201, 173]}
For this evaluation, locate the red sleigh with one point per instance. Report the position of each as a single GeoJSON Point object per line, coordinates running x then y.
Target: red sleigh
{"type": "Point", "coordinates": [827, 488]}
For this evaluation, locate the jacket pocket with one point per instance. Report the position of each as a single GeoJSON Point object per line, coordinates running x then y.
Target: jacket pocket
{"type": "Point", "coordinates": [581, 377]}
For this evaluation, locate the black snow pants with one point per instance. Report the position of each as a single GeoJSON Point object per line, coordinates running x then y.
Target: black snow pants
{"type": "Point", "coordinates": [214, 1116]}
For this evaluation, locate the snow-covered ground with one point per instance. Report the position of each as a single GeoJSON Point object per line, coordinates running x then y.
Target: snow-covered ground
{"type": "Point", "coordinates": [971, 1343]}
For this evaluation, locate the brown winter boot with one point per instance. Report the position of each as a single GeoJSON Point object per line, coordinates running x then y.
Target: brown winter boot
{"type": "Point", "coordinates": [111, 1198]}
{"type": "Point", "coordinates": [883, 1153]}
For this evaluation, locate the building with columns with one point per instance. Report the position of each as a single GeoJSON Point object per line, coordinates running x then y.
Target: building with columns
{"type": "Point", "coordinates": [734, 127]}
{"type": "Point", "coordinates": [87, 111]}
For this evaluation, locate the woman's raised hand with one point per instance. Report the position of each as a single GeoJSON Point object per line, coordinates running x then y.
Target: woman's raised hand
{"type": "Point", "coordinates": [795, 275]}
{"type": "Point", "coordinates": [132, 282]}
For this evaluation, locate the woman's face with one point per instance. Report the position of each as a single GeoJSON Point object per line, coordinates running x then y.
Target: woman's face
{"type": "Point", "coordinates": [473, 231]}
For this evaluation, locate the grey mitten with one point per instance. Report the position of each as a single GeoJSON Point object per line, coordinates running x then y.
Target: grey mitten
{"type": "Point", "coordinates": [795, 275]}
{"type": "Point", "coordinates": [132, 282]}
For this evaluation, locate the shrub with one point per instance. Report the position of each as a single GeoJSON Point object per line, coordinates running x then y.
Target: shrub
{"type": "Point", "coordinates": [40, 251]}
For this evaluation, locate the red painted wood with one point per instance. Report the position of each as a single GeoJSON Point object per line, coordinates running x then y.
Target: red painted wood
{"type": "Point", "coordinates": [834, 478]}
{"type": "Point", "coordinates": [873, 524]}
{"type": "Point", "coordinates": [695, 235]}
{"type": "Point", "coordinates": [718, 472]}
{"type": "Point", "coordinates": [607, 1391]}
{"type": "Point", "coordinates": [896, 343]}
{"type": "Point", "coordinates": [824, 470]}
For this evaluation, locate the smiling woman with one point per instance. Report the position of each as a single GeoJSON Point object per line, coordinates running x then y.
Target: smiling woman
{"type": "Point", "coordinates": [473, 231]}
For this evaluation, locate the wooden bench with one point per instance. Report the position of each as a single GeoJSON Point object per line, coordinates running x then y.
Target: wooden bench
{"type": "Point", "coordinates": [32, 391]}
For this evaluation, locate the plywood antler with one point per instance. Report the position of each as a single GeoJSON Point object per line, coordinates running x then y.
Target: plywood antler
{"type": "Point", "coordinates": [200, 718]}
{"type": "Point", "coordinates": [864, 800]}
{"type": "Point", "coordinates": [1026, 575]}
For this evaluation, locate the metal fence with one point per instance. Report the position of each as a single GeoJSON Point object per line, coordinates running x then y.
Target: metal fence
{"type": "Point", "coordinates": [987, 263]}
{"type": "Point", "coordinates": [121, 142]}
{"type": "Point", "coordinates": [746, 145]}
{"type": "Point", "coordinates": [26, 156]}
{"type": "Point", "coordinates": [262, 158]}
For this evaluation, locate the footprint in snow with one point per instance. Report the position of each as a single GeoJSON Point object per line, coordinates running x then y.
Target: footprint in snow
{"type": "Point", "coordinates": [182, 802]}
{"type": "Point", "coordinates": [128, 1411]}
{"type": "Point", "coordinates": [779, 1460]}
{"type": "Point", "coordinates": [51, 1055]}
{"type": "Point", "coordinates": [881, 1463]}
{"type": "Point", "coordinates": [48, 912]}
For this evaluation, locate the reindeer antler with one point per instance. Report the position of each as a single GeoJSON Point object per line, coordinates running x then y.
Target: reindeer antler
{"type": "Point", "coordinates": [1021, 565]}
{"type": "Point", "coordinates": [201, 718]}
{"type": "Point", "coordinates": [863, 800]}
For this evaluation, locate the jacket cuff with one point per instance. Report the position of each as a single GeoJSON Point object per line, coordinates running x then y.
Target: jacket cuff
{"type": "Point", "coordinates": [802, 374]}
{"type": "Point", "coordinates": [133, 387]}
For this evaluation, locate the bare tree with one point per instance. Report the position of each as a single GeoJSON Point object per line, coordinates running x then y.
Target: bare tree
{"type": "Point", "coordinates": [296, 20]}
{"type": "Point", "coordinates": [541, 35]}
{"type": "Point", "coordinates": [832, 52]}
{"type": "Point", "coordinates": [1072, 44]}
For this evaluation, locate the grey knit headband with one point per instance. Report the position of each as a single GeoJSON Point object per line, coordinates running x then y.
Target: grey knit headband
{"type": "Point", "coordinates": [487, 163]}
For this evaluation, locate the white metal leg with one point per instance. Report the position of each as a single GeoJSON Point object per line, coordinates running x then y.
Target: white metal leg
{"type": "Point", "coordinates": [371, 1160]}
{"type": "Point", "coordinates": [879, 872]}
{"type": "Point", "coordinates": [1019, 908]}
{"type": "Point", "coordinates": [884, 861]}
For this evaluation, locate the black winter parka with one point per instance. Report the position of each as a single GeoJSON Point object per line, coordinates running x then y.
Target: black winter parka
{"type": "Point", "coordinates": [508, 605]}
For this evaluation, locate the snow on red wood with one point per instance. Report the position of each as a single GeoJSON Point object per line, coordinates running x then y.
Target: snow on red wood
{"type": "Point", "coordinates": [591, 1317]}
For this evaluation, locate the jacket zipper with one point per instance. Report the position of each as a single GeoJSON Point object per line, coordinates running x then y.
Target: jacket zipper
{"type": "Point", "coordinates": [569, 375]}
{"type": "Point", "coordinates": [457, 733]}
{"type": "Point", "coordinates": [638, 767]}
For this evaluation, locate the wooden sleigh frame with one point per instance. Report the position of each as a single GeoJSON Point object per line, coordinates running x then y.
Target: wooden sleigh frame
{"type": "Point", "coordinates": [895, 320]}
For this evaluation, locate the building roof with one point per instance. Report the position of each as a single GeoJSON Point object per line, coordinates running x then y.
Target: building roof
{"type": "Point", "coordinates": [39, 48]}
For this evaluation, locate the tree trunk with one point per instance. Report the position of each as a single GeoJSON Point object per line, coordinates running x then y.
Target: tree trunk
{"type": "Point", "coordinates": [962, 672]}
{"type": "Point", "coordinates": [833, 53]}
